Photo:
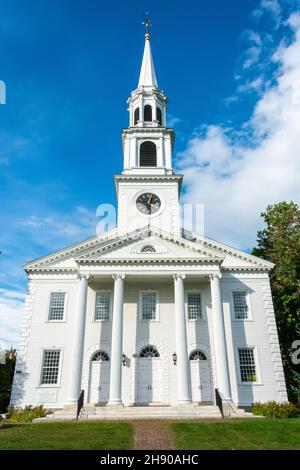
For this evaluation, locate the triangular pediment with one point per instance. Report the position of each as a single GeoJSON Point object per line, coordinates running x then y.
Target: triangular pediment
{"type": "Point", "coordinates": [113, 246]}
{"type": "Point", "coordinates": [150, 245]}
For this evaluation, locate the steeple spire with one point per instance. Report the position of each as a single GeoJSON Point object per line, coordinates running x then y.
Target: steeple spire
{"type": "Point", "coordinates": [147, 75]}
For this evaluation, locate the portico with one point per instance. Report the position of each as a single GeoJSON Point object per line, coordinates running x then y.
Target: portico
{"type": "Point", "coordinates": [125, 362]}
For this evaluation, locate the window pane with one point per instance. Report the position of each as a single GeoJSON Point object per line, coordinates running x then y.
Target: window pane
{"type": "Point", "coordinates": [102, 305]}
{"type": "Point", "coordinates": [149, 306]}
{"type": "Point", "coordinates": [57, 306]}
{"type": "Point", "coordinates": [50, 367]}
{"type": "Point", "coordinates": [247, 365]}
{"type": "Point", "coordinates": [240, 305]}
{"type": "Point", "coordinates": [194, 306]}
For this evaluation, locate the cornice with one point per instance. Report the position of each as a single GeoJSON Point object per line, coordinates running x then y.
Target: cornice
{"type": "Point", "coordinates": [147, 130]}
{"type": "Point", "coordinates": [238, 254]}
{"type": "Point", "coordinates": [147, 261]}
{"type": "Point", "coordinates": [133, 179]}
{"type": "Point", "coordinates": [72, 250]}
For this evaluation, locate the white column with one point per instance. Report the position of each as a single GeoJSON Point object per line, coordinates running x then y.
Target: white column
{"type": "Point", "coordinates": [115, 389]}
{"type": "Point", "coordinates": [219, 337]}
{"type": "Point", "coordinates": [183, 389]}
{"type": "Point", "coordinates": [78, 340]}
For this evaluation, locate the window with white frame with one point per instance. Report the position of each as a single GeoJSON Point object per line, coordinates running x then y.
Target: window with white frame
{"type": "Point", "coordinates": [240, 305]}
{"type": "Point", "coordinates": [57, 306]}
{"type": "Point", "coordinates": [149, 305]}
{"type": "Point", "coordinates": [247, 365]}
{"type": "Point", "coordinates": [194, 306]}
{"type": "Point", "coordinates": [103, 305]}
{"type": "Point", "coordinates": [50, 367]}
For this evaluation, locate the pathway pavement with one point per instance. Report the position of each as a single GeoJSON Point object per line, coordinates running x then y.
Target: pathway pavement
{"type": "Point", "coordinates": [152, 435]}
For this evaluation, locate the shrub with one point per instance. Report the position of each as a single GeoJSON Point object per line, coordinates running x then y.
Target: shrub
{"type": "Point", "coordinates": [272, 409]}
{"type": "Point", "coordinates": [27, 414]}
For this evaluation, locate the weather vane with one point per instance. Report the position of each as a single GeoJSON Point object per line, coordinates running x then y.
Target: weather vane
{"type": "Point", "coordinates": [147, 25]}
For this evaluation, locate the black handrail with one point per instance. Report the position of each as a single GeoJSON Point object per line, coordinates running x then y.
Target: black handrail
{"type": "Point", "coordinates": [225, 405]}
{"type": "Point", "coordinates": [219, 401]}
{"type": "Point", "coordinates": [80, 402]}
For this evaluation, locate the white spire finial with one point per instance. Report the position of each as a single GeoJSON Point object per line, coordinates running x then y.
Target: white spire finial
{"type": "Point", "coordinates": [147, 75]}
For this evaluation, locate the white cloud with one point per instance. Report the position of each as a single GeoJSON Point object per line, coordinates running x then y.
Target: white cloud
{"type": "Point", "coordinates": [271, 8]}
{"type": "Point", "coordinates": [254, 85]}
{"type": "Point", "coordinates": [237, 176]}
{"type": "Point", "coordinates": [251, 56]}
{"type": "Point", "coordinates": [61, 228]}
{"type": "Point", "coordinates": [11, 312]}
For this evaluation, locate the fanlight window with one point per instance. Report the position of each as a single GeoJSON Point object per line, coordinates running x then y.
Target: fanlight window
{"type": "Point", "coordinates": [148, 249]}
{"type": "Point", "coordinates": [136, 116]}
{"type": "Point", "coordinates": [148, 154]}
{"type": "Point", "coordinates": [149, 351]}
{"type": "Point", "coordinates": [100, 356]}
{"type": "Point", "coordinates": [147, 113]}
{"type": "Point", "coordinates": [158, 116]}
{"type": "Point", "coordinates": [198, 355]}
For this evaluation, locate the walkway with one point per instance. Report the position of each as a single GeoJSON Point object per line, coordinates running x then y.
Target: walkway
{"type": "Point", "coordinates": [152, 435]}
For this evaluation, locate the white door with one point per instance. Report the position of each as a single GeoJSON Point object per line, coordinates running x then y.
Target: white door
{"type": "Point", "coordinates": [200, 377]}
{"type": "Point", "coordinates": [99, 383]}
{"type": "Point", "coordinates": [149, 380]}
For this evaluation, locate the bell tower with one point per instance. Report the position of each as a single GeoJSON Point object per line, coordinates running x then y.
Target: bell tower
{"type": "Point", "coordinates": [148, 190]}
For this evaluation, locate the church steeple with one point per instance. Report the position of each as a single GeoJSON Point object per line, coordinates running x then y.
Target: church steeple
{"type": "Point", "coordinates": [147, 75]}
{"type": "Point", "coordinates": [147, 143]}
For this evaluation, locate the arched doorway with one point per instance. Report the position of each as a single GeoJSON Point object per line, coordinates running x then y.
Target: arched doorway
{"type": "Point", "coordinates": [149, 375]}
{"type": "Point", "coordinates": [99, 377]}
{"type": "Point", "coordinates": [200, 376]}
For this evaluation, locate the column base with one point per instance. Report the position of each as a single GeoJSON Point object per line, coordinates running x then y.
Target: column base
{"type": "Point", "coordinates": [115, 403]}
{"type": "Point", "coordinates": [184, 402]}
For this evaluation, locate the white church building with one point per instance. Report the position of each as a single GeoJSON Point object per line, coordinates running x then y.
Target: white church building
{"type": "Point", "coordinates": [146, 314]}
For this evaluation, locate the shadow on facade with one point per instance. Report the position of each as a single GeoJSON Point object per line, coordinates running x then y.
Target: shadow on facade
{"type": "Point", "coordinates": [236, 338]}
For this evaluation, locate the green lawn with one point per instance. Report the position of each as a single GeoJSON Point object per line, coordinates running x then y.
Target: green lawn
{"type": "Point", "coordinates": [265, 434]}
{"type": "Point", "coordinates": [60, 436]}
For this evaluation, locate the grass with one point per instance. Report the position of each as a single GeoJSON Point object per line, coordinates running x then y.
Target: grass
{"type": "Point", "coordinates": [260, 434]}
{"type": "Point", "coordinates": [266, 434]}
{"type": "Point", "coordinates": [66, 436]}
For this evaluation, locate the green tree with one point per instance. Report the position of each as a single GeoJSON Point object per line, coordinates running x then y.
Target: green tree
{"type": "Point", "coordinates": [6, 378]}
{"type": "Point", "coordinates": [279, 243]}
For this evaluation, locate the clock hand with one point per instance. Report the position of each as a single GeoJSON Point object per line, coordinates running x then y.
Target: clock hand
{"type": "Point", "coordinates": [149, 200]}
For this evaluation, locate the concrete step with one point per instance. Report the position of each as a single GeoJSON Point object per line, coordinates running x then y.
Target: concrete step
{"type": "Point", "coordinates": [150, 412]}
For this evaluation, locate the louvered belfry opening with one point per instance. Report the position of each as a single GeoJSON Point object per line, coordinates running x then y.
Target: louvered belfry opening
{"type": "Point", "coordinates": [148, 113]}
{"type": "Point", "coordinates": [136, 116]}
{"type": "Point", "coordinates": [158, 116]}
{"type": "Point", "coordinates": [148, 154]}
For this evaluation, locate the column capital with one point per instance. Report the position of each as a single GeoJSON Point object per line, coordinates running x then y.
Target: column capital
{"type": "Point", "coordinates": [178, 276]}
{"type": "Point", "coordinates": [83, 276]}
{"type": "Point", "coordinates": [116, 276]}
{"type": "Point", "coordinates": [217, 275]}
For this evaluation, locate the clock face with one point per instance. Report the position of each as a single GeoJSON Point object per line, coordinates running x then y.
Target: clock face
{"type": "Point", "coordinates": [148, 203]}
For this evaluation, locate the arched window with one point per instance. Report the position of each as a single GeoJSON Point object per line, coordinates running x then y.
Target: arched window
{"type": "Point", "coordinates": [148, 154]}
{"type": "Point", "coordinates": [136, 116]}
{"type": "Point", "coordinates": [198, 355]}
{"type": "Point", "coordinates": [148, 249]}
{"type": "Point", "coordinates": [100, 356]}
{"type": "Point", "coordinates": [159, 116]}
{"type": "Point", "coordinates": [149, 351]}
{"type": "Point", "coordinates": [147, 113]}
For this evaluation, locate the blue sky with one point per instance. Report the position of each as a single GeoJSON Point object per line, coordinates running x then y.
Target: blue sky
{"type": "Point", "coordinates": [69, 67]}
